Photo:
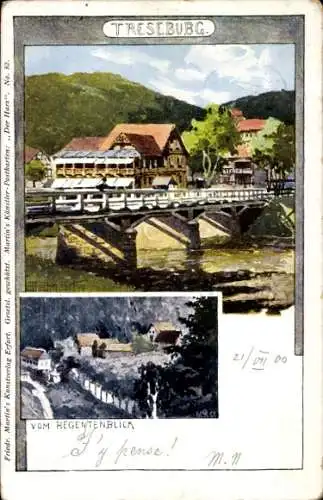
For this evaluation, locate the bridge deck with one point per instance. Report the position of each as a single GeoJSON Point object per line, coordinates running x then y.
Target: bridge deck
{"type": "Point", "coordinates": [101, 216]}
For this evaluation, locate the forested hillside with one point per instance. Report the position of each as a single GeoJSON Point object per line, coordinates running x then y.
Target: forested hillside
{"type": "Point", "coordinates": [59, 107]}
{"type": "Point", "coordinates": [280, 105]}
{"type": "Point", "coordinates": [44, 319]}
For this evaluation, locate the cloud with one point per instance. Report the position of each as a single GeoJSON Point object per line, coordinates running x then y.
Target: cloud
{"type": "Point", "coordinates": [166, 87]}
{"type": "Point", "coordinates": [202, 97]}
{"type": "Point", "coordinates": [130, 57]}
{"type": "Point", "coordinates": [220, 97]}
{"type": "Point", "coordinates": [190, 74]}
{"type": "Point", "coordinates": [238, 63]}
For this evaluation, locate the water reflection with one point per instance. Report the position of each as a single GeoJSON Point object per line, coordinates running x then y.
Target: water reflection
{"type": "Point", "coordinates": [214, 260]}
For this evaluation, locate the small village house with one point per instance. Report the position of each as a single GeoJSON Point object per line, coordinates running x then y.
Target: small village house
{"type": "Point", "coordinates": [240, 169]}
{"type": "Point", "coordinates": [35, 358]}
{"type": "Point", "coordinates": [111, 346]}
{"type": "Point", "coordinates": [163, 333]}
{"type": "Point", "coordinates": [54, 376]}
{"type": "Point", "coordinates": [148, 153]}
{"type": "Point", "coordinates": [91, 344]}
{"type": "Point", "coordinates": [84, 342]}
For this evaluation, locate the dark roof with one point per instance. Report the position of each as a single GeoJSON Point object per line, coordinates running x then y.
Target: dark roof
{"type": "Point", "coordinates": [167, 337]}
{"type": "Point", "coordinates": [144, 144]}
{"type": "Point", "coordinates": [159, 131]}
{"type": "Point", "coordinates": [84, 144]}
{"type": "Point", "coordinates": [34, 353]}
{"type": "Point", "coordinates": [150, 138]}
{"type": "Point", "coordinates": [30, 153]}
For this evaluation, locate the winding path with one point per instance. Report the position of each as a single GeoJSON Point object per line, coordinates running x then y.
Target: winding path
{"type": "Point", "coordinates": [39, 392]}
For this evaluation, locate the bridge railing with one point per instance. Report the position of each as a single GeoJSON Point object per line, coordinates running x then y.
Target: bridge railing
{"type": "Point", "coordinates": [92, 200]}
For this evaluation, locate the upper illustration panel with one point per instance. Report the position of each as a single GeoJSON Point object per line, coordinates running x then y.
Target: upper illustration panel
{"type": "Point", "coordinates": [161, 168]}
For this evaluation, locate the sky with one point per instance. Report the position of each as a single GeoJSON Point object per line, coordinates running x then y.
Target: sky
{"type": "Point", "coordinates": [197, 74]}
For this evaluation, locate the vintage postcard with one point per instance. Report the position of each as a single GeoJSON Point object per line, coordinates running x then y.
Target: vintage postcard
{"type": "Point", "coordinates": [161, 236]}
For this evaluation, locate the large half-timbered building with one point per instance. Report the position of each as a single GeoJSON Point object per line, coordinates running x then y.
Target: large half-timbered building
{"type": "Point", "coordinates": [148, 153]}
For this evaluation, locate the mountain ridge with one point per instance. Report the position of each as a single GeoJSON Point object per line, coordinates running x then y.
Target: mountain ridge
{"type": "Point", "coordinates": [59, 107]}
{"type": "Point", "coordinates": [278, 104]}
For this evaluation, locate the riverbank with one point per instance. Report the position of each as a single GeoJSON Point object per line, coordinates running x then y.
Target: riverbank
{"type": "Point", "coordinates": [243, 289]}
{"type": "Point", "coordinates": [43, 275]}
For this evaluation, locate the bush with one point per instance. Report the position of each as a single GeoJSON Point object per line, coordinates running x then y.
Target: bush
{"type": "Point", "coordinates": [141, 343]}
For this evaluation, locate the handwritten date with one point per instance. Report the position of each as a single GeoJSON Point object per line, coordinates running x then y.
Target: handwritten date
{"type": "Point", "coordinates": [258, 360]}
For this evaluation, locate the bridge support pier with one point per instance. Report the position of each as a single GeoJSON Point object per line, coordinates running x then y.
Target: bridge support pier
{"type": "Point", "coordinates": [194, 235]}
{"type": "Point", "coordinates": [235, 228]}
{"type": "Point", "coordinates": [129, 248]}
{"type": "Point", "coordinates": [104, 241]}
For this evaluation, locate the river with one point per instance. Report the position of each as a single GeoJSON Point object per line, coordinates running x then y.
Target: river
{"type": "Point", "coordinates": [251, 278]}
{"type": "Point", "coordinates": [211, 260]}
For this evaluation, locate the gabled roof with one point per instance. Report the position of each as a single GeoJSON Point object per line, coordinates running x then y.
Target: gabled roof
{"type": "Point", "coordinates": [34, 353]}
{"type": "Point", "coordinates": [144, 144]}
{"type": "Point", "coordinates": [253, 124]}
{"type": "Point", "coordinates": [87, 339]}
{"type": "Point", "coordinates": [30, 153]}
{"type": "Point", "coordinates": [159, 131]}
{"type": "Point", "coordinates": [109, 341]}
{"type": "Point", "coordinates": [164, 326]}
{"type": "Point", "coordinates": [118, 347]}
{"type": "Point", "coordinates": [84, 144]}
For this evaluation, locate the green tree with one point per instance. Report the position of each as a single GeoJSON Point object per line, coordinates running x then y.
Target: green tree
{"type": "Point", "coordinates": [210, 140]}
{"type": "Point", "coordinates": [263, 141]}
{"type": "Point", "coordinates": [35, 171]}
{"type": "Point", "coordinates": [274, 148]}
{"type": "Point", "coordinates": [141, 343]}
{"type": "Point", "coordinates": [101, 350]}
{"type": "Point", "coordinates": [193, 371]}
{"type": "Point", "coordinates": [284, 149]}
{"type": "Point", "coordinates": [198, 349]}
{"type": "Point", "coordinates": [95, 349]}
{"type": "Point", "coordinates": [261, 146]}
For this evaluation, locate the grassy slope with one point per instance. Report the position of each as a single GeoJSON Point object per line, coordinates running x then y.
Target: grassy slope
{"type": "Point", "coordinates": [46, 276]}
{"type": "Point", "coordinates": [59, 107]}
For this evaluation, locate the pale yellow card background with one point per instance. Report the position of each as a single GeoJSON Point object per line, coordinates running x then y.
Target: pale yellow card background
{"type": "Point", "coordinates": [302, 484]}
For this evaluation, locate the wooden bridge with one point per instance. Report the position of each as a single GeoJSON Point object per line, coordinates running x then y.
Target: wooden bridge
{"type": "Point", "coordinates": [45, 205]}
{"type": "Point", "coordinates": [105, 225]}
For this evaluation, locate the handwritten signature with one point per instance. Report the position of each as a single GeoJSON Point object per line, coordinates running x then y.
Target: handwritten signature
{"type": "Point", "coordinates": [220, 459]}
